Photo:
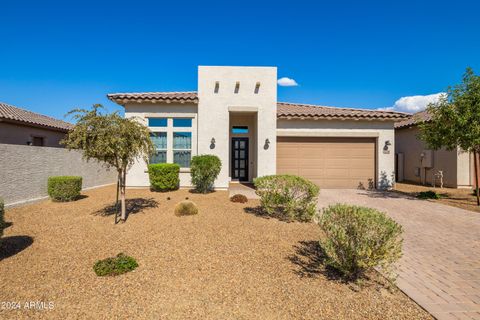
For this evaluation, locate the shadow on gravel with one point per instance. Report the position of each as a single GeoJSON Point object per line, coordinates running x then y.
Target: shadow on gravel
{"type": "Point", "coordinates": [256, 211]}
{"type": "Point", "coordinates": [309, 259]}
{"type": "Point", "coordinates": [259, 212]}
{"type": "Point", "coordinates": [133, 206]}
{"type": "Point", "coordinates": [10, 246]}
{"type": "Point", "coordinates": [387, 195]}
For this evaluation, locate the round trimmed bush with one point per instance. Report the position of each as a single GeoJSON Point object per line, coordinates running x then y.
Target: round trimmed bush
{"type": "Point", "coordinates": [64, 188]}
{"type": "Point", "coordinates": [240, 198]}
{"type": "Point", "coordinates": [287, 197]}
{"type": "Point", "coordinates": [186, 208]}
{"type": "Point", "coordinates": [164, 176]}
{"type": "Point", "coordinates": [359, 239]}
{"type": "Point", "coordinates": [115, 266]}
{"type": "Point", "coordinates": [204, 170]}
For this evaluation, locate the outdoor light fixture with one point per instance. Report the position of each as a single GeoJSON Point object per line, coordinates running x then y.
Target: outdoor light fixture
{"type": "Point", "coordinates": [212, 143]}
{"type": "Point", "coordinates": [385, 147]}
{"type": "Point", "coordinates": [267, 144]}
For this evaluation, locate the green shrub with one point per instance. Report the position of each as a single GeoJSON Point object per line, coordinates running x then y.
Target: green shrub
{"type": "Point", "coordinates": [64, 188]}
{"type": "Point", "coordinates": [186, 208]}
{"type": "Point", "coordinates": [428, 195]}
{"type": "Point", "coordinates": [240, 198]}
{"type": "Point", "coordinates": [164, 176]}
{"type": "Point", "coordinates": [204, 170]}
{"type": "Point", "coordinates": [287, 197]}
{"type": "Point", "coordinates": [2, 217]}
{"type": "Point", "coordinates": [115, 266]}
{"type": "Point", "coordinates": [359, 238]}
{"type": "Point", "coordinates": [474, 192]}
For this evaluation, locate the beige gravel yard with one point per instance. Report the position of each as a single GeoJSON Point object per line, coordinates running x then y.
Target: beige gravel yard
{"type": "Point", "coordinates": [224, 263]}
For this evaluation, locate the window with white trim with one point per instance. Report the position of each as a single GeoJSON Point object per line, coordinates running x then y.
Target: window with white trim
{"type": "Point", "coordinates": [182, 148]}
{"type": "Point", "coordinates": [159, 140]}
{"type": "Point", "coordinates": [172, 138]}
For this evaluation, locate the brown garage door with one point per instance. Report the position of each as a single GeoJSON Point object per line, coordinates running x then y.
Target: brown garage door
{"type": "Point", "coordinates": [328, 162]}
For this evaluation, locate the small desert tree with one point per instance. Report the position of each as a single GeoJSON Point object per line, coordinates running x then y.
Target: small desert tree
{"type": "Point", "coordinates": [112, 139]}
{"type": "Point", "coordinates": [455, 120]}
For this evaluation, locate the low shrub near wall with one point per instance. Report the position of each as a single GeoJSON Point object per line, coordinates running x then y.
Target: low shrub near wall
{"type": "Point", "coordinates": [204, 170]}
{"type": "Point", "coordinates": [359, 238]}
{"type": "Point", "coordinates": [164, 176]}
{"type": "Point", "coordinates": [64, 188]}
{"type": "Point", "coordinates": [287, 196]}
{"type": "Point", "coordinates": [428, 195]}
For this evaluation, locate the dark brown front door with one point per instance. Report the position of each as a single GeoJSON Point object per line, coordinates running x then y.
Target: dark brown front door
{"type": "Point", "coordinates": [240, 159]}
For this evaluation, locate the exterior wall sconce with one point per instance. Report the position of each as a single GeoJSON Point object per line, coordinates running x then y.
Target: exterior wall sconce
{"type": "Point", "coordinates": [267, 144]}
{"type": "Point", "coordinates": [212, 143]}
{"type": "Point", "coordinates": [385, 147]}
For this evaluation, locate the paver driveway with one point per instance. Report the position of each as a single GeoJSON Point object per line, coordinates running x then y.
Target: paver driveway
{"type": "Point", "coordinates": [440, 268]}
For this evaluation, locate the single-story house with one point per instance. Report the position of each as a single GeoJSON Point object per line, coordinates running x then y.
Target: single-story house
{"type": "Point", "coordinates": [20, 126]}
{"type": "Point", "coordinates": [235, 115]}
{"type": "Point", "coordinates": [416, 163]}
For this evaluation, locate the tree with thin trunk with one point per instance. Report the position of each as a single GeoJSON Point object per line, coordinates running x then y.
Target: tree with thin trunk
{"type": "Point", "coordinates": [109, 138]}
{"type": "Point", "coordinates": [455, 120]}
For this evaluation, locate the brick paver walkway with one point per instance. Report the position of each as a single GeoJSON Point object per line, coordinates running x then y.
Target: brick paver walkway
{"type": "Point", "coordinates": [440, 268]}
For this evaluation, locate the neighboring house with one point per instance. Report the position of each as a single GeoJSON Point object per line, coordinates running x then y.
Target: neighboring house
{"type": "Point", "coordinates": [235, 115]}
{"type": "Point", "coordinates": [416, 163]}
{"type": "Point", "coordinates": [19, 126]}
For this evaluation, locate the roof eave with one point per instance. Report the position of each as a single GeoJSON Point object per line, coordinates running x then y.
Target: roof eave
{"type": "Point", "coordinates": [35, 125]}
{"type": "Point", "coordinates": [124, 101]}
{"type": "Point", "coordinates": [322, 117]}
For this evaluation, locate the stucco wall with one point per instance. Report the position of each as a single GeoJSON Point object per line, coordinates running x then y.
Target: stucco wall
{"type": "Point", "coordinates": [214, 113]}
{"type": "Point", "coordinates": [137, 175]}
{"type": "Point", "coordinates": [381, 130]}
{"type": "Point", "coordinates": [454, 164]}
{"type": "Point", "coordinates": [11, 133]}
{"type": "Point", "coordinates": [25, 169]}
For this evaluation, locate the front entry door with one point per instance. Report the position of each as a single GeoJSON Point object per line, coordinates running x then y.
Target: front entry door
{"type": "Point", "coordinates": [240, 159]}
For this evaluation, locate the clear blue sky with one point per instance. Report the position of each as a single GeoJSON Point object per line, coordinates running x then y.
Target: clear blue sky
{"type": "Point", "coordinates": [55, 56]}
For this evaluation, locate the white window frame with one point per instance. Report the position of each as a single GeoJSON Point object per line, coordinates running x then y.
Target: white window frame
{"type": "Point", "coordinates": [169, 129]}
{"type": "Point", "coordinates": [160, 131]}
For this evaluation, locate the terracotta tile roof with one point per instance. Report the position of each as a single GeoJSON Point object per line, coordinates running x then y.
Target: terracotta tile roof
{"type": "Point", "coordinates": [284, 111]}
{"type": "Point", "coordinates": [307, 111]}
{"type": "Point", "coordinates": [414, 119]}
{"type": "Point", "coordinates": [168, 97]}
{"type": "Point", "coordinates": [14, 114]}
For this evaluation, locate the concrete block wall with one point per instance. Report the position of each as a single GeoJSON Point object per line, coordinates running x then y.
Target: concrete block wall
{"type": "Point", "coordinates": [24, 171]}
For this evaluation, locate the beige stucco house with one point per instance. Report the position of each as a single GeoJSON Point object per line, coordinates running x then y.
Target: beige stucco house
{"type": "Point", "coordinates": [416, 163]}
{"type": "Point", "coordinates": [23, 127]}
{"type": "Point", "coordinates": [236, 116]}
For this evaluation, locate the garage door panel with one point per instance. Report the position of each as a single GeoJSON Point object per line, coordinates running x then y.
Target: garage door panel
{"type": "Point", "coordinates": [362, 163]}
{"type": "Point", "coordinates": [328, 162]}
{"type": "Point", "coordinates": [337, 163]}
{"type": "Point", "coordinates": [312, 173]}
{"type": "Point", "coordinates": [308, 163]}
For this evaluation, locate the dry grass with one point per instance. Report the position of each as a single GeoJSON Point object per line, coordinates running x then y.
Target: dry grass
{"type": "Point", "coordinates": [460, 198]}
{"type": "Point", "coordinates": [223, 263]}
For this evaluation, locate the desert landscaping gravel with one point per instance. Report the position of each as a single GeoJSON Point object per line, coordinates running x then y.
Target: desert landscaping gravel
{"type": "Point", "coordinates": [224, 263]}
{"type": "Point", "coordinates": [463, 198]}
